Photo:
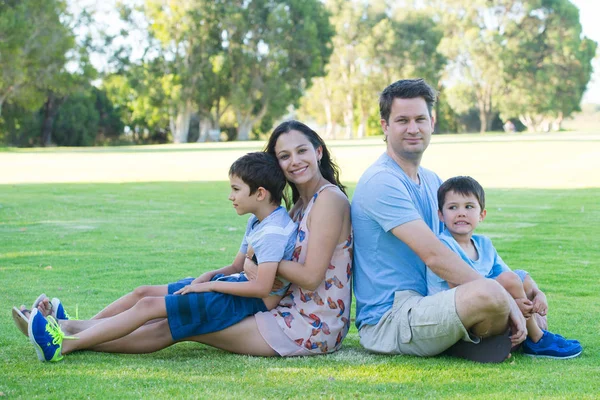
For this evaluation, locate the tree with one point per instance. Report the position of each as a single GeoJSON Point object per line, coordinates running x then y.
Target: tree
{"type": "Point", "coordinates": [473, 42]}
{"type": "Point", "coordinates": [275, 49]}
{"type": "Point", "coordinates": [548, 63]}
{"type": "Point", "coordinates": [139, 96]}
{"type": "Point", "coordinates": [373, 46]}
{"type": "Point", "coordinates": [34, 46]}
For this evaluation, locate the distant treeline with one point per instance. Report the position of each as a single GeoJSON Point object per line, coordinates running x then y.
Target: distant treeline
{"type": "Point", "coordinates": [230, 69]}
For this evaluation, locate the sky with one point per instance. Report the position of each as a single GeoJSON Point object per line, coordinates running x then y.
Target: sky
{"type": "Point", "coordinates": [589, 11]}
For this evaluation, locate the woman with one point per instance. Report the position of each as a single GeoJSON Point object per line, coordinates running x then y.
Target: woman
{"type": "Point", "coordinates": [313, 317]}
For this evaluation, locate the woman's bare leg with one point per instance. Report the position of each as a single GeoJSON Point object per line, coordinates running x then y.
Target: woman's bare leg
{"type": "Point", "coordinates": [130, 299]}
{"type": "Point", "coordinates": [242, 338]}
{"type": "Point", "coordinates": [112, 328]}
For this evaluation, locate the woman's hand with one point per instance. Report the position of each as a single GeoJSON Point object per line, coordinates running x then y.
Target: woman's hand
{"type": "Point", "coordinates": [251, 271]}
{"type": "Point", "coordinates": [195, 288]}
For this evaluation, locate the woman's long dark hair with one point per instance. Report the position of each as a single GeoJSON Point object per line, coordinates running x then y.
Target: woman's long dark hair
{"type": "Point", "coordinates": [328, 168]}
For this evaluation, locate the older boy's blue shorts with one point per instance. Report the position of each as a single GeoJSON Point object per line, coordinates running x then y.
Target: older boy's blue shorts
{"type": "Point", "coordinates": [522, 274]}
{"type": "Point", "coordinates": [199, 313]}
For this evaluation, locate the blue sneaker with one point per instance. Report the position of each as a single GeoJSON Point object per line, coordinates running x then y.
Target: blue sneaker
{"type": "Point", "coordinates": [46, 336]}
{"type": "Point", "coordinates": [562, 337]}
{"type": "Point", "coordinates": [551, 346]}
{"type": "Point", "coordinates": [58, 311]}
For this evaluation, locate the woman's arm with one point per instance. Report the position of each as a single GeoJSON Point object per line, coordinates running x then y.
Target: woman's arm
{"type": "Point", "coordinates": [329, 225]}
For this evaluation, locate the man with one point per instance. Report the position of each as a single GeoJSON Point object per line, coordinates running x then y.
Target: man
{"type": "Point", "coordinates": [395, 222]}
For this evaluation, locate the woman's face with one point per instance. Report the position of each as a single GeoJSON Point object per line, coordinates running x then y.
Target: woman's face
{"type": "Point", "coordinates": [297, 157]}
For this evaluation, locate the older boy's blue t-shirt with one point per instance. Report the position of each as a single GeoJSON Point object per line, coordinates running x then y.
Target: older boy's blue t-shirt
{"type": "Point", "coordinates": [273, 239]}
{"type": "Point", "coordinates": [489, 263]}
{"type": "Point", "coordinates": [385, 197]}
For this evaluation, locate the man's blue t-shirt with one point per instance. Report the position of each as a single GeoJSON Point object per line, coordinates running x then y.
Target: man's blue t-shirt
{"type": "Point", "coordinates": [489, 263]}
{"type": "Point", "coordinates": [385, 197]}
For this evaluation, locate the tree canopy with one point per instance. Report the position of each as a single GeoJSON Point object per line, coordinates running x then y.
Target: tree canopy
{"type": "Point", "coordinates": [202, 70]}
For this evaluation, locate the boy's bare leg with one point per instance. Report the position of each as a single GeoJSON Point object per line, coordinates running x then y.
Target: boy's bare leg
{"type": "Point", "coordinates": [130, 299]}
{"type": "Point", "coordinates": [72, 327]}
{"type": "Point", "coordinates": [513, 285]}
{"type": "Point", "coordinates": [116, 327]}
{"type": "Point", "coordinates": [531, 289]}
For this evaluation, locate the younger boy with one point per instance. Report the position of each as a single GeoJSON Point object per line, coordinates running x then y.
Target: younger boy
{"type": "Point", "coordinates": [216, 299]}
{"type": "Point", "coordinates": [461, 207]}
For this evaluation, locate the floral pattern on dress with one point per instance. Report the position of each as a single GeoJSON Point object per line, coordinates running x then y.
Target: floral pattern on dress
{"type": "Point", "coordinates": [318, 320]}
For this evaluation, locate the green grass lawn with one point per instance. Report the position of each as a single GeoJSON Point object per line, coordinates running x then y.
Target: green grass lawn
{"type": "Point", "coordinates": [90, 243]}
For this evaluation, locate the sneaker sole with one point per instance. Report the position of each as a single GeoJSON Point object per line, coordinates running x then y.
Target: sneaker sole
{"type": "Point", "coordinates": [553, 357]}
{"type": "Point", "coordinates": [20, 321]}
{"type": "Point", "coordinates": [37, 347]}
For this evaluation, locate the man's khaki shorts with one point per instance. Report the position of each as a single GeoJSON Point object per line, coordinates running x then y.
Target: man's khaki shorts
{"type": "Point", "coordinates": [417, 325]}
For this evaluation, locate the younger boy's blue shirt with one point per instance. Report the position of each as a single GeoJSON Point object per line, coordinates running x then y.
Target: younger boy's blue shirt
{"type": "Point", "coordinates": [273, 239]}
{"type": "Point", "coordinates": [385, 197]}
{"type": "Point", "coordinates": [489, 263]}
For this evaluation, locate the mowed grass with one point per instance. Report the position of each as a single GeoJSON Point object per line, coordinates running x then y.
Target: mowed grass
{"type": "Point", "coordinates": [89, 244]}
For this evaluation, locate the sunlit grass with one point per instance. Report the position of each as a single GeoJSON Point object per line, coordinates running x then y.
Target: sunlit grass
{"type": "Point", "coordinates": [102, 240]}
{"type": "Point", "coordinates": [559, 160]}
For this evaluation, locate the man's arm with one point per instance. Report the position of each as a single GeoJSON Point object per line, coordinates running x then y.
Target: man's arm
{"type": "Point", "coordinates": [446, 264]}
{"type": "Point", "coordinates": [443, 261]}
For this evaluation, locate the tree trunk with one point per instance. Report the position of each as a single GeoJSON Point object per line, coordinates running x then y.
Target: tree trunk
{"type": "Point", "coordinates": [205, 126]}
{"type": "Point", "coordinates": [349, 115]}
{"type": "Point", "coordinates": [246, 122]}
{"type": "Point", "coordinates": [557, 123]}
{"type": "Point", "coordinates": [181, 125]}
{"type": "Point", "coordinates": [362, 128]}
{"type": "Point", "coordinates": [244, 128]}
{"type": "Point", "coordinates": [328, 118]}
{"type": "Point", "coordinates": [483, 120]}
{"type": "Point", "coordinates": [51, 107]}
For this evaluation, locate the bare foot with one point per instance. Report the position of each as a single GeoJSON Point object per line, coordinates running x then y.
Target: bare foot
{"type": "Point", "coordinates": [45, 307]}
{"type": "Point", "coordinates": [24, 311]}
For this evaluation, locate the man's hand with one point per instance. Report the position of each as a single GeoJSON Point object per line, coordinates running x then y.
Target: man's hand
{"type": "Point", "coordinates": [205, 277]}
{"type": "Point", "coordinates": [526, 307]}
{"type": "Point", "coordinates": [195, 288]}
{"type": "Point", "coordinates": [540, 304]}
{"type": "Point", "coordinates": [516, 322]}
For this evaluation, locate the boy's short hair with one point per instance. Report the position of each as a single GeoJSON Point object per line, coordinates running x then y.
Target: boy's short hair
{"type": "Point", "coordinates": [405, 89]}
{"type": "Point", "coordinates": [464, 185]}
{"type": "Point", "coordinates": [260, 169]}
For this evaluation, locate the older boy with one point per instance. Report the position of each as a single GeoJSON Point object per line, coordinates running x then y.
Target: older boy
{"type": "Point", "coordinates": [216, 299]}
{"type": "Point", "coordinates": [461, 202]}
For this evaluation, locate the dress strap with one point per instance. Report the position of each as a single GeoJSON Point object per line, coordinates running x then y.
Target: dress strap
{"type": "Point", "coordinates": [314, 197]}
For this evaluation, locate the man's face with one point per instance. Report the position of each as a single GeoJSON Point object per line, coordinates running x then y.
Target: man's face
{"type": "Point", "coordinates": [409, 128]}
